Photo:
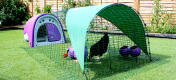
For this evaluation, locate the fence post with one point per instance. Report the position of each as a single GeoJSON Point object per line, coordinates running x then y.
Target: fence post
{"type": "Point", "coordinates": [57, 4]}
{"type": "Point", "coordinates": [44, 3]}
{"type": "Point", "coordinates": [32, 8]}
{"type": "Point", "coordinates": [136, 5]}
{"type": "Point", "coordinates": [91, 1]}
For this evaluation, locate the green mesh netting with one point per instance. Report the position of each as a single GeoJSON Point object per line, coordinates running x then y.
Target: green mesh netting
{"type": "Point", "coordinates": [85, 27]}
{"type": "Point", "coordinates": [127, 20]}
{"type": "Point", "coordinates": [122, 16]}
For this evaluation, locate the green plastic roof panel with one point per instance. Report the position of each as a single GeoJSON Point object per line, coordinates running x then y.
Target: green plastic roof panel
{"type": "Point", "coordinates": [122, 16]}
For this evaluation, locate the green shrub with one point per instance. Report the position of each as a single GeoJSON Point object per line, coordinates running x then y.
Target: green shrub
{"type": "Point", "coordinates": [87, 3]}
{"type": "Point", "coordinates": [0, 10]}
{"type": "Point", "coordinates": [104, 27]}
{"type": "Point", "coordinates": [172, 30]}
{"type": "Point", "coordinates": [0, 5]}
{"type": "Point", "coordinates": [162, 29]}
{"type": "Point", "coordinates": [73, 4]}
{"type": "Point", "coordinates": [92, 26]}
{"type": "Point", "coordinates": [38, 10]}
{"type": "Point", "coordinates": [26, 19]}
{"type": "Point", "coordinates": [47, 9]}
{"type": "Point", "coordinates": [161, 20]}
{"type": "Point", "coordinates": [29, 0]}
{"type": "Point", "coordinates": [13, 12]}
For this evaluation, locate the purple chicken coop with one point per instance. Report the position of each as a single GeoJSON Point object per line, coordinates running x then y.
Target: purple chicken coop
{"type": "Point", "coordinates": [43, 29]}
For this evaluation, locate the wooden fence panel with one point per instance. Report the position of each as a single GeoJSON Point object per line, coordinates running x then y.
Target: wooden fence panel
{"type": "Point", "coordinates": [127, 2]}
{"type": "Point", "coordinates": [144, 7]}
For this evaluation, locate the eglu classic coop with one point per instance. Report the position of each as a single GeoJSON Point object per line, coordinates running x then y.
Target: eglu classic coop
{"type": "Point", "coordinates": [91, 42]}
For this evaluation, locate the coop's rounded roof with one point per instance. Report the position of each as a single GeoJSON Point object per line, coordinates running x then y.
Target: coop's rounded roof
{"type": "Point", "coordinates": [29, 27]}
{"type": "Point", "coordinates": [127, 20]}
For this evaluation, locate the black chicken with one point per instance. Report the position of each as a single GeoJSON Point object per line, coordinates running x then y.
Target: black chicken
{"type": "Point", "coordinates": [99, 48]}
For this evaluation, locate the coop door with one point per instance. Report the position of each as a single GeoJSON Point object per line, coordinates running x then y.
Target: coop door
{"type": "Point", "coordinates": [53, 33]}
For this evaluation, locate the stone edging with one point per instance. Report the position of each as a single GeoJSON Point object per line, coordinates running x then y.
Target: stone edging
{"type": "Point", "coordinates": [159, 35]}
{"type": "Point", "coordinates": [12, 27]}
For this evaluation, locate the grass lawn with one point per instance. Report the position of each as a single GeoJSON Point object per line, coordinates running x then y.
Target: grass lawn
{"type": "Point", "coordinates": [19, 62]}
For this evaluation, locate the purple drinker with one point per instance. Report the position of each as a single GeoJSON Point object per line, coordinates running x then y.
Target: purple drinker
{"type": "Point", "coordinates": [124, 51]}
{"type": "Point", "coordinates": [135, 51]}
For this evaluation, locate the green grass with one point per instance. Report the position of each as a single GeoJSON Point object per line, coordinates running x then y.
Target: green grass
{"type": "Point", "coordinates": [19, 62]}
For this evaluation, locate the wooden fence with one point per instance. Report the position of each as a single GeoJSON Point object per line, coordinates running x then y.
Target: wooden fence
{"type": "Point", "coordinates": [144, 7]}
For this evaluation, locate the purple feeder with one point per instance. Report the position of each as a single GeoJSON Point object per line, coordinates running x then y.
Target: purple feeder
{"type": "Point", "coordinates": [135, 51]}
{"type": "Point", "coordinates": [71, 54]}
{"type": "Point", "coordinates": [124, 51]}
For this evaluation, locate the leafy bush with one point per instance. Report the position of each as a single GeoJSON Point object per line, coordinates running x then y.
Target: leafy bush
{"type": "Point", "coordinates": [0, 5]}
{"type": "Point", "coordinates": [172, 30]}
{"type": "Point", "coordinates": [37, 10]}
{"type": "Point", "coordinates": [104, 27]}
{"type": "Point", "coordinates": [92, 25]}
{"type": "Point", "coordinates": [13, 12]}
{"type": "Point", "coordinates": [161, 20]}
{"type": "Point", "coordinates": [47, 9]}
{"type": "Point", "coordinates": [0, 10]}
{"type": "Point", "coordinates": [73, 4]}
{"type": "Point", "coordinates": [29, 0]}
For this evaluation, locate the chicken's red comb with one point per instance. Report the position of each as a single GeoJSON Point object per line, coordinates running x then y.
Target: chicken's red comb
{"type": "Point", "coordinates": [65, 55]}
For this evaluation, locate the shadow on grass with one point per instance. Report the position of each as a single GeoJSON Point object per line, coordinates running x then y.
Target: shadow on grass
{"type": "Point", "coordinates": [51, 58]}
{"type": "Point", "coordinates": [101, 70]}
{"type": "Point", "coordinates": [2, 79]}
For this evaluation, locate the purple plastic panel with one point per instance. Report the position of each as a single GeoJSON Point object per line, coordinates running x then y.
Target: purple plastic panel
{"type": "Point", "coordinates": [71, 53]}
{"type": "Point", "coordinates": [29, 28]}
{"type": "Point", "coordinates": [53, 33]}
